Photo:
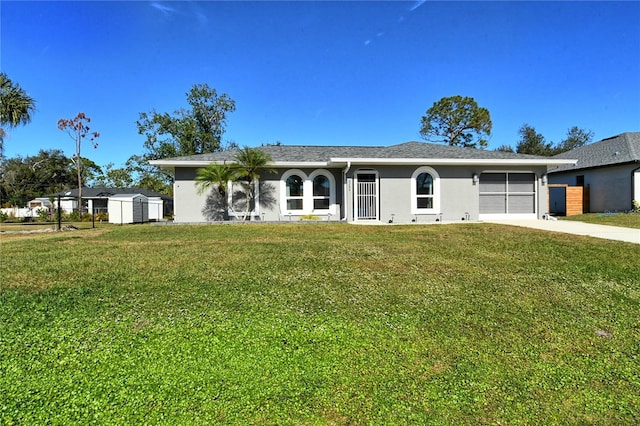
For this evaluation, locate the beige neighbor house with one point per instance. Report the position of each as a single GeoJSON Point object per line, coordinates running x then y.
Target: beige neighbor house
{"type": "Point", "coordinates": [607, 174]}
{"type": "Point", "coordinates": [412, 182]}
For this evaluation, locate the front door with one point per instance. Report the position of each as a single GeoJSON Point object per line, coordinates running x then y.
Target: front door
{"type": "Point", "coordinates": [366, 196]}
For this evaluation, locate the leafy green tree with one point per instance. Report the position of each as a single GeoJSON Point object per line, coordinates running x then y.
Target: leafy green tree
{"type": "Point", "coordinates": [23, 179]}
{"type": "Point", "coordinates": [196, 130]}
{"type": "Point", "coordinates": [532, 142]}
{"type": "Point", "coordinates": [505, 148]}
{"type": "Point", "coordinates": [16, 106]}
{"type": "Point", "coordinates": [457, 121]}
{"type": "Point", "coordinates": [219, 176]}
{"type": "Point", "coordinates": [149, 177]}
{"type": "Point", "coordinates": [112, 177]}
{"type": "Point", "coordinates": [575, 138]}
{"type": "Point", "coordinates": [78, 129]}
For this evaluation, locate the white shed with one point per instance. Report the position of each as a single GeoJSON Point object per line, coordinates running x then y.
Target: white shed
{"type": "Point", "coordinates": [128, 208]}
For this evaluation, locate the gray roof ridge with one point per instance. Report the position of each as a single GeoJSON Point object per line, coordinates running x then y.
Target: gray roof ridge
{"type": "Point", "coordinates": [635, 153]}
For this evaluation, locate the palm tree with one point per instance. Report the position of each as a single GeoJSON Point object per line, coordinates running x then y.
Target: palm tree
{"type": "Point", "coordinates": [251, 162]}
{"type": "Point", "coordinates": [218, 175]}
{"type": "Point", "coordinates": [16, 107]}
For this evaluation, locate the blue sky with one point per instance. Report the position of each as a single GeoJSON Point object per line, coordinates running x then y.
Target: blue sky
{"type": "Point", "coordinates": [321, 72]}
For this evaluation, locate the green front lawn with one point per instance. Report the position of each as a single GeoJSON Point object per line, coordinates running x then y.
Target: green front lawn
{"type": "Point", "coordinates": [628, 220]}
{"type": "Point", "coordinates": [318, 324]}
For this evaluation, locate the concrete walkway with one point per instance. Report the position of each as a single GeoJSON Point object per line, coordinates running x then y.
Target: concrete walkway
{"type": "Point", "coordinates": [616, 233]}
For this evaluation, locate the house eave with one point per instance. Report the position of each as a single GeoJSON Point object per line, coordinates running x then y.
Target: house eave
{"type": "Point", "coordinates": [448, 161]}
{"type": "Point", "coordinates": [342, 162]}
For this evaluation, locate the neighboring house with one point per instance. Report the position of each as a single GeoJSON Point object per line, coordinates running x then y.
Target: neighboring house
{"type": "Point", "coordinates": [610, 169]}
{"type": "Point", "coordinates": [97, 199]}
{"type": "Point", "coordinates": [413, 182]}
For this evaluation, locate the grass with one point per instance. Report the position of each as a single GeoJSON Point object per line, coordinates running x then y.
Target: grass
{"type": "Point", "coordinates": [318, 324]}
{"type": "Point", "coordinates": [11, 227]}
{"type": "Point", "coordinates": [628, 220]}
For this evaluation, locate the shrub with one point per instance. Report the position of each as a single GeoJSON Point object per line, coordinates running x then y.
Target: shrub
{"type": "Point", "coordinates": [43, 215]}
{"type": "Point", "coordinates": [71, 217]}
{"type": "Point", "coordinates": [3, 217]}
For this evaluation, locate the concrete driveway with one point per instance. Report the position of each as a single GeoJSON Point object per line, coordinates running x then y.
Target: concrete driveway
{"type": "Point", "coordinates": [607, 232]}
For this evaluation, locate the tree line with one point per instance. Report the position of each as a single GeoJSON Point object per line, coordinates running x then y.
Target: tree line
{"type": "Point", "coordinates": [199, 129]}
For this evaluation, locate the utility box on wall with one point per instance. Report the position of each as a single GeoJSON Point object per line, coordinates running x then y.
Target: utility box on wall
{"type": "Point", "coordinates": [128, 208]}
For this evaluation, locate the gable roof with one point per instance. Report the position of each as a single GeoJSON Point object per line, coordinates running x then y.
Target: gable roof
{"type": "Point", "coordinates": [341, 156]}
{"type": "Point", "coordinates": [616, 150]}
{"type": "Point", "coordinates": [109, 192]}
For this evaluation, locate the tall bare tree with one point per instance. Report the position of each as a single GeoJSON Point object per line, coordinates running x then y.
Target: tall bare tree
{"type": "Point", "coordinates": [78, 129]}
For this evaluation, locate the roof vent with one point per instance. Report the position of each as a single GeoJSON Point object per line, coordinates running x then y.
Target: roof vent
{"type": "Point", "coordinates": [616, 153]}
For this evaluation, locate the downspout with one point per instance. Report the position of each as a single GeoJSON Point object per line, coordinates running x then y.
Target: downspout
{"type": "Point", "coordinates": [344, 189]}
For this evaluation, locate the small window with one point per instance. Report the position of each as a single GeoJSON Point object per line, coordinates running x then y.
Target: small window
{"type": "Point", "coordinates": [321, 192]}
{"type": "Point", "coordinates": [425, 191]}
{"type": "Point", "coordinates": [580, 180]}
{"type": "Point", "coordinates": [295, 192]}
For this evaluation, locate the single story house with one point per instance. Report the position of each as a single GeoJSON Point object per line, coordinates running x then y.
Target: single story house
{"type": "Point", "coordinates": [412, 182]}
{"type": "Point", "coordinates": [97, 200]}
{"type": "Point", "coordinates": [608, 170]}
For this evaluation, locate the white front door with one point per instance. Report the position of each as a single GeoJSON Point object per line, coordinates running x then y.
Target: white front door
{"type": "Point", "coordinates": [366, 196]}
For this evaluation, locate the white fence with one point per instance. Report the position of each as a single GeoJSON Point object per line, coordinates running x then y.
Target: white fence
{"type": "Point", "coordinates": [23, 212]}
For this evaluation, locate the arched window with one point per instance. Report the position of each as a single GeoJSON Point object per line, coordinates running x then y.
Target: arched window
{"type": "Point", "coordinates": [321, 192]}
{"type": "Point", "coordinates": [323, 197]}
{"type": "Point", "coordinates": [425, 191]}
{"type": "Point", "coordinates": [302, 194]}
{"type": "Point", "coordinates": [295, 192]}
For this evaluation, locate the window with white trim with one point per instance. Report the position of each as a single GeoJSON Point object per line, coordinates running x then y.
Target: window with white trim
{"type": "Point", "coordinates": [323, 196]}
{"type": "Point", "coordinates": [295, 192]}
{"type": "Point", "coordinates": [321, 192]}
{"type": "Point", "coordinates": [425, 191]}
{"type": "Point", "coordinates": [302, 194]}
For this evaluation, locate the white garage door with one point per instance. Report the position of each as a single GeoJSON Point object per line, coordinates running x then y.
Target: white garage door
{"type": "Point", "coordinates": [507, 195]}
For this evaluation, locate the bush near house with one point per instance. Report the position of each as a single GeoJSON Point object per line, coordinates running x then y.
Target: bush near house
{"type": "Point", "coordinates": [319, 324]}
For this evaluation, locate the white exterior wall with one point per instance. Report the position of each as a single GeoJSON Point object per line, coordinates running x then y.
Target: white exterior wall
{"type": "Point", "coordinates": [156, 209]}
{"type": "Point", "coordinates": [128, 209]}
{"type": "Point", "coordinates": [22, 212]}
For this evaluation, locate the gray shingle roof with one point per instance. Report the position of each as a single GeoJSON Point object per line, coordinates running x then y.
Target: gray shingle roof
{"type": "Point", "coordinates": [408, 150]}
{"type": "Point", "coordinates": [108, 192]}
{"type": "Point", "coordinates": [620, 149]}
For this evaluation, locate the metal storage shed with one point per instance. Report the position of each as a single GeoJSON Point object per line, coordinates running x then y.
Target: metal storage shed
{"type": "Point", "coordinates": [128, 208]}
